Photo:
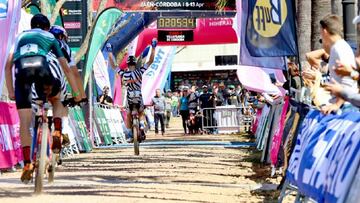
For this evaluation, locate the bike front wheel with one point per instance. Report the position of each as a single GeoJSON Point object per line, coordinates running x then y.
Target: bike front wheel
{"type": "Point", "coordinates": [136, 136]}
{"type": "Point", "coordinates": [41, 158]}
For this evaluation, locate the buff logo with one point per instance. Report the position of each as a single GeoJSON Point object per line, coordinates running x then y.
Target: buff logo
{"type": "Point", "coordinates": [269, 16]}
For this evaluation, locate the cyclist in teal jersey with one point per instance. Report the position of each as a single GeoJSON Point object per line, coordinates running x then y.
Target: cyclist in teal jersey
{"type": "Point", "coordinates": [31, 66]}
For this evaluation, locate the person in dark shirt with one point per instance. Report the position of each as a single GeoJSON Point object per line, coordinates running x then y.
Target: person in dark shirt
{"type": "Point", "coordinates": [205, 98]}
{"type": "Point", "coordinates": [105, 98]}
{"type": "Point", "coordinates": [233, 98]}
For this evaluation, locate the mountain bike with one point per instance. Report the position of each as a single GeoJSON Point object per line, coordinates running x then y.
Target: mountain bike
{"type": "Point", "coordinates": [42, 156]}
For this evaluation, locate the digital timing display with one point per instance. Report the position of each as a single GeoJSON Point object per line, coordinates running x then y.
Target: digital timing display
{"type": "Point", "coordinates": [176, 22]}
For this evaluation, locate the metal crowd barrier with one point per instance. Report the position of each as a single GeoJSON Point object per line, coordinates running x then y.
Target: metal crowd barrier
{"type": "Point", "coordinates": [226, 120]}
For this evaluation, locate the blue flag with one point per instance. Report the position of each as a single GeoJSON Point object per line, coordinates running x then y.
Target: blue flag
{"type": "Point", "coordinates": [270, 28]}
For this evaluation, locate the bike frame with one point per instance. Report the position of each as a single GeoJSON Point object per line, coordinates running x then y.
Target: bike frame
{"type": "Point", "coordinates": [41, 152]}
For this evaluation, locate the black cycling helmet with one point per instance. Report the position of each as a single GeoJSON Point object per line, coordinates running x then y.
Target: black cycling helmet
{"type": "Point", "coordinates": [131, 60]}
{"type": "Point", "coordinates": [40, 21]}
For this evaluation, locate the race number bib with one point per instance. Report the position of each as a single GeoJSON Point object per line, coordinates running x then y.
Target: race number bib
{"type": "Point", "coordinates": [29, 48]}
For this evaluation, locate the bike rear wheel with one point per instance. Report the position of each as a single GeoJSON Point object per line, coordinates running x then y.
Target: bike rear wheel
{"type": "Point", "coordinates": [41, 159]}
{"type": "Point", "coordinates": [136, 132]}
{"type": "Point", "coordinates": [51, 169]}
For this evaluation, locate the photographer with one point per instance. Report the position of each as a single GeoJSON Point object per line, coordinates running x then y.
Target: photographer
{"type": "Point", "coordinates": [105, 98]}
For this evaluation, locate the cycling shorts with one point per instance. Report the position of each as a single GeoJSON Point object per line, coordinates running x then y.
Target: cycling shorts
{"type": "Point", "coordinates": [134, 101]}
{"type": "Point", "coordinates": [33, 70]}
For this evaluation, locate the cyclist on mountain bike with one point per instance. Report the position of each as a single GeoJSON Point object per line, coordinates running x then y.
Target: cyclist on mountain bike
{"type": "Point", "coordinates": [132, 79]}
{"type": "Point", "coordinates": [32, 67]}
{"type": "Point", "coordinates": [62, 36]}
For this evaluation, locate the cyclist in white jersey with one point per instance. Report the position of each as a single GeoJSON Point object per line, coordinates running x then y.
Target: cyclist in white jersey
{"type": "Point", "coordinates": [132, 79]}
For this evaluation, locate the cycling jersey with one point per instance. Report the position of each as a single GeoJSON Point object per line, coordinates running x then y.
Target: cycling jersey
{"type": "Point", "coordinates": [32, 68]}
{"type": "Point", "coordinates": [57, 73]}
{"type": "Point", "coordinates": [133, 82]}
{"type": "Point", "coordinates": [36, 42]}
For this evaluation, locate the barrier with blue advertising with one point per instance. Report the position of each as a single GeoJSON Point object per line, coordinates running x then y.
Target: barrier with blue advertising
{"type": "Point", "coordinates": [326, 156]}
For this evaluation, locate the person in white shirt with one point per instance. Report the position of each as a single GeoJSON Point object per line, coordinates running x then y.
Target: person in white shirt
{"type": "Point", "coordinates": [339, 50]}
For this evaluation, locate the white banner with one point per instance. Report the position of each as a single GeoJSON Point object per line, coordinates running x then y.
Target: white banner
{"type": "Point", "coordinates": [157, 73]}
{"type": "Point", "coordinates": [101, 72]}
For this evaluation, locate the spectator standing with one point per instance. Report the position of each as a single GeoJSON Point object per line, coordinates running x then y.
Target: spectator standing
{"type": "Point", "coordinates": [167, 108]}
{"type": "Point", "coordinates": [234, 98]}
{"type": "Point", "coordinates": [174, 104]}
{"type": "Point", "coordinates": [184, 108]}
{"type": "Point", "coordinates": [339, 50]}
{"type": "Point", "coordinates": [193, 99]}
{"type": "Point", "coordinates": [206, 101]}
{"type": "Point", "coordinates": [105, 98]}
{"type": "Point", "coordinates": [159, 111]}
{"type": "Point", "coordinates": [217, 97]}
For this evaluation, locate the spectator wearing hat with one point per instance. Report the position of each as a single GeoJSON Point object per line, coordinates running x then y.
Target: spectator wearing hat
{"type": "Point", "coordinates": [167, 108]}
{"type": "Point", "coordinates": [105, 98]}
{"type": "Point", "coordinates": [184, 108]}
{"type": "Point", "coordinates": [207, 101]}
{"type": "Point", "coordinates": [233, 97]}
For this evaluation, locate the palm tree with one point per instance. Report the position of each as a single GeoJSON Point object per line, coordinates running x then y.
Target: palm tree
{"type": "Point", "coordinates": [303, 28]}
{"type": "Point", "coordinates": [319, 9]}
{"type": "Point", "coordinates": [336, 7]}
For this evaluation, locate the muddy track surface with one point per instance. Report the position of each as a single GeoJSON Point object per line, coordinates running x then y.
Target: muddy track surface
{"type": "Point", "coordinates": [176, 173]}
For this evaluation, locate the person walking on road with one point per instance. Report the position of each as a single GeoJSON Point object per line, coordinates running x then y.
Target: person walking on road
{"type": "Point", "coordinates": [167, 108]}
{"type": "Point", "coordinates": [159, 111]}
{"type": "Point", "coordinates": [184, 108]}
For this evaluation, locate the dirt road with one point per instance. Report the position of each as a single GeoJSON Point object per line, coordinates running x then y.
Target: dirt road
{"type": "Point", "coordinates": [194, 170]}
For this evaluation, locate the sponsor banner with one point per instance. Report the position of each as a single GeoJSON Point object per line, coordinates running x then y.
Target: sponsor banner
{"type": "Point", "coordinates": [175, 35]}
{"type": "Point", "coordinates": [101, 74]}
{"type": "Point", "coordinates": [102, 27]}
{"type": "Point", "coordinates": [157, 73]}
{"type": "Point", "coordinates": [3, 8]}
{"type": "Point", "coordinates": [103, 125]}
{"type": "Point", "coordinates": [277, 138]}
{"type": "Point", "coordinates": [326, 156]}
{"type": "Point", "coordinates": [9, 25]}
{"type": "Point", "coordinates": [79, 126]}
{"type": "Point", "coordinates": [245, 57]}
{"type": "Point", "coordinates": [75, 21]}
{"type": "Point", "coordinates": [206, 32]}
{"type": "Point", "coordinates": [178, 5]}
{"type": "Point", "coordinates": [72, 25]}
{"type": "Point", "coordinates": [270, 28]}
{"type": "Point", "coordinates": [10, 144]}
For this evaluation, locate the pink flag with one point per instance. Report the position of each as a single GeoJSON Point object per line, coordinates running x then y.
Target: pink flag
{"type": "Point", "coordinates": [10, 144]}
{"type": "Point", "coordinates": [118, 91]}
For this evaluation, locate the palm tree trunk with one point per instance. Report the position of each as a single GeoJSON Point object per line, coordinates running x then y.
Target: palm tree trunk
{"type": "Point", "coordinates": [319, 9]}
{"type": "Point", "coordinates": [304, 27]}
{"type": "Point", "coordinates": [336, 7]}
